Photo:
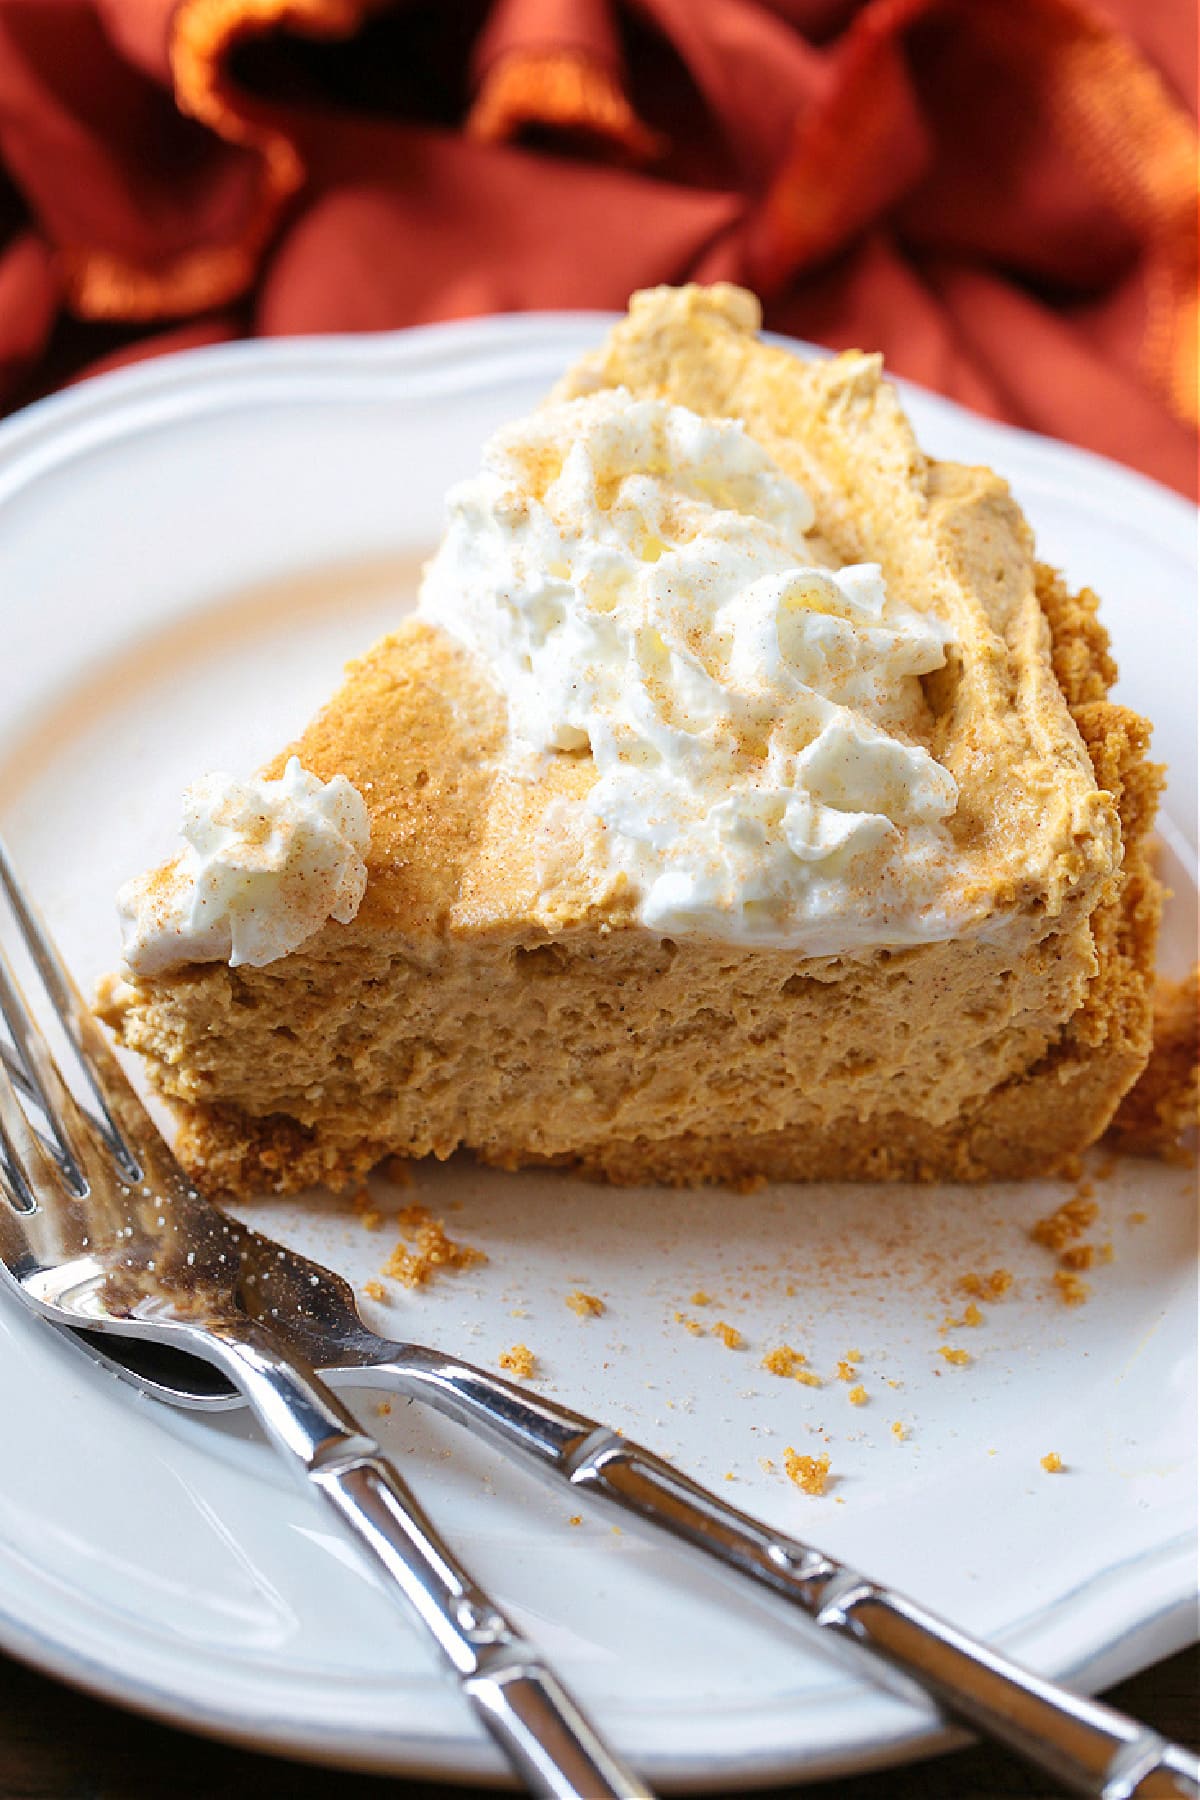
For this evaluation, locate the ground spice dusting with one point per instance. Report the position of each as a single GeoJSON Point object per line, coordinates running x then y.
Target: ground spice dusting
{"type": "Point", "coordinates": [519, 1361]}
{"type": "Point", "coordinates": [729, 1335]}
{"type": "Point", "coordinates": [433, 1250]}
{"type": "Point", "coordinates": [1071, 1291]}
{"type": "Point", "coordinates": [1069, 1222]}
{"type": "Point", "coordinates": [588, 1306]}
{"type": "Point", "coordinates": [1053, 1463]}
{"type": "Point", "coordinates": [857, 1395]}
{"type": "Point", "coordinates": [810, 1473]}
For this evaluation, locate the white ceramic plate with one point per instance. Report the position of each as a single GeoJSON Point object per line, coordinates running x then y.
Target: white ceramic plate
{"type": "Point", "coordinates": [187, 552]}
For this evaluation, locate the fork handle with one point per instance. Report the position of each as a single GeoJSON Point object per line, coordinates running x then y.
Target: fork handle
{"type": "Point", "coordinates": [1089, 1747]}
{"type": "Point", "coordinates": [547, 1739]}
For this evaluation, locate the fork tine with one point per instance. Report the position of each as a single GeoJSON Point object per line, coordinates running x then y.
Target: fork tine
{"type": "Point", "coordinates": [105, 1077]}
{"type": "Point", "coordinates": [49, 1090]}
{"type": "Point", "coordinates": [16, 1073]}
{"type": "Point", "coordinates": [26, 1159]}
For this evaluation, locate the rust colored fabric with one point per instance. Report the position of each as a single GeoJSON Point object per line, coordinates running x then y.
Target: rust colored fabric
{"type": "Point", "coordinates": [999, 194]}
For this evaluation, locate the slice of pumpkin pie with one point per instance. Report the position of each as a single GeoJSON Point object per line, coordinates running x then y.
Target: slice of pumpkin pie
{"type": "Point", "coordinates": [743, 800]}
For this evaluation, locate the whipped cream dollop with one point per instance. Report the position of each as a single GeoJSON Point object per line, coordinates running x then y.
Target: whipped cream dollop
{"type": "Point", "coordinates": [641, 583]}
{"type": "Point", "coordinates": [266, 863]}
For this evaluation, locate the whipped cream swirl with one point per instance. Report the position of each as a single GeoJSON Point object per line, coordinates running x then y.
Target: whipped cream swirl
{"type": "Point", "coordinates": [265, 865]}
{"type": "Point", "coordinates": [641, 583]}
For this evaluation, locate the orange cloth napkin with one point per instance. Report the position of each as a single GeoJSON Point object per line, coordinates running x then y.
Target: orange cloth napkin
{"type": "Point", "coordinates": [999, 194]}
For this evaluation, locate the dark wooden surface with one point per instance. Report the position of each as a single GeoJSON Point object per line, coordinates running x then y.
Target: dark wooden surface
{"type": "Point", "coordinates": [59, 1745]}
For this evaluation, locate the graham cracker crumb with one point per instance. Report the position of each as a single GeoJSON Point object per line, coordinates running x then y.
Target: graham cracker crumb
{"type": "Point", "coordinates": [899, 1430]}
{"type": "Point", "coordinates": [846, 1371]}
{"type": "Point", "coordinates": [1071, 1291]}
{"type": "Point", "coordinates": [432, 1251]}
{"type": "Point", "coordinates": [700, 1298]}
{"type": "Point", "coordinates": [1053, 1463]}
{"type": "Point", "coordinates": [1078, 1256]}
{"type": "Point", "coordinates": [729, 1335]}
{"type": "Point", "coordinates": [958, 1357]}
{"type": "Point", "coordinates": [789, 1363]}
{"type": "Point", "coordinates": [692, 1325]}
{"type": "Point", "coordinates": [1069, 1222]}
{"type": "Point", "coordinates": [374, 1290]}
{"type": "Point", "coordinates": [384, 1408]}
{"type": "Point", "coordinates": [363, 1204]}
{"type": "Point", "coordinates": [588, 1306]}
{"type": "Point", "coordinates": [986, 1287]}
{"type": "Point", "coordinates": [857, 1395]}
{"type": "Point", "coordinates": [520, 1361]}
{"type": "Point", "coordinates": [575, 1519]}
{"type": "Point", "coordinates": [766, 1465]}
{"type": "Point", "coordinates": [1165, 1099]}
{"type": "Point", "coordinates": [809, 1473]}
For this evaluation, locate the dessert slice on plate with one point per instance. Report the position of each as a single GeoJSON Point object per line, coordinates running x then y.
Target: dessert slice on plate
{"type": "Point", "coordinates": [742, 800]}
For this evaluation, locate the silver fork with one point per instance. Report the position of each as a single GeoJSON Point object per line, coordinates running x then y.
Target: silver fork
{"type": "Point", "coordinates": [100, 1227]}
{"type": "Point", "coordinates": [310, 1312]}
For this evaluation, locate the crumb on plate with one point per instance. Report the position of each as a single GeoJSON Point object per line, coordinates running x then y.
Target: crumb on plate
{"type": "Point", "coordinates": [1065, 1224]}
{"type": "Point", "coordinates": [433, 1249]}
{"type": "Point", "coordinates": [986, 1287]}
{"type": "Point", "coordinates": [519, 1361]}
{"type": "Point", "coordinates": [1071, 1291]}
{"type": "Point", "coordinates": [809, 1473]}
{"type": "Point", "coordinates": [588, 1306]}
